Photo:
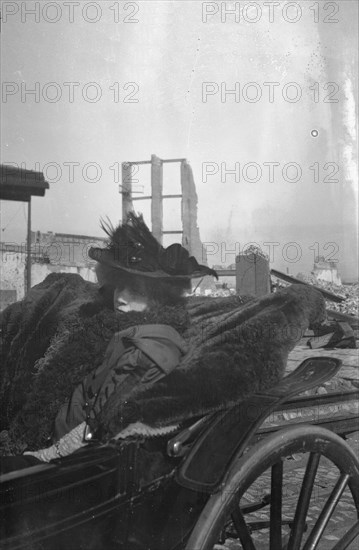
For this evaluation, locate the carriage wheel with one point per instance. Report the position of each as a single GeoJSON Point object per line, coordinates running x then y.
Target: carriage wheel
{"type": "Point", "coordinates": [225, 513]}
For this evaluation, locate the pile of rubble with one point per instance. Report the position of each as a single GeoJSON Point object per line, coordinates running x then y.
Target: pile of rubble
{"type": "Point", "coordinates": [217, 293]}
{"type": "Point", "coordinates": [350, 305]}
{"type": "Point", "coordinates": [350, 293]}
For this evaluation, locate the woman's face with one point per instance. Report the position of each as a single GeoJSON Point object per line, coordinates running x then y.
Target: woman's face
{"type": "Point", "coordinates": [125, 300]}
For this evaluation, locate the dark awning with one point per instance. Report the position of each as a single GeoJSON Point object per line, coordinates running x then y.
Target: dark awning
{"type": "Point", "coordinates": [18, 184]}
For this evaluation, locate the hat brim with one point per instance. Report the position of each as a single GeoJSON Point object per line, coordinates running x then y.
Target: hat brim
{"type": "Point", "coordinates": [104, 256]}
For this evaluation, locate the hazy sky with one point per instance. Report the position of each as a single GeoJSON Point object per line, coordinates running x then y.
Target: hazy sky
{"type": "Point", "coordinates": [118, 81]}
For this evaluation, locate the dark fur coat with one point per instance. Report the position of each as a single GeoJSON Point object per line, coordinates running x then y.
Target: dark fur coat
{"type": "Point", "coordinates": [60, 331]}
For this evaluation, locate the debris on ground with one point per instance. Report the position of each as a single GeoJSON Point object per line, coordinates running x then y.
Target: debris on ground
{"type": "Point", "coordinates": [350, 293]}
{"type": "Point", "coordinates": [333, 334]}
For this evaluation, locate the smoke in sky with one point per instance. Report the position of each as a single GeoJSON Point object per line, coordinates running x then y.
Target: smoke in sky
{"type": "Point", "coordinates": [261, 104]}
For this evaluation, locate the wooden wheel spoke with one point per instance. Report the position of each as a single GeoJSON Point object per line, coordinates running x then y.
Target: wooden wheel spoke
{"type": "Point", "coordinates": [242, 530]}
{"type": "Point", "coordinates": [348, 537]}
{"type": "Point", "coordinates": [326, 513]}
{"type": "Point", "coordinates": [250, 471]}
{"type": "Point", "coordinates": [303, 502]}
{"type": "Point", "coordinates": [275, 530]}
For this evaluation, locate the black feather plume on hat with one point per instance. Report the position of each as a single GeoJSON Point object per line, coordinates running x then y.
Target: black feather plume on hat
{"type": "Point", "coordinates": [133, 248]}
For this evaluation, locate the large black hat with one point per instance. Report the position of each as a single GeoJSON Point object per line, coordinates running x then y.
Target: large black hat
{"type": "Point", "coordinates": [133, 248]}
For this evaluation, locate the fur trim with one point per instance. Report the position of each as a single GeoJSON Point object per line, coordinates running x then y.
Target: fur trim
{"type": "Point", "coordinates": [57, 356]}
{"type": "Point", "coordinates": [52, 340]}
{"type": "Point", "coordinates": [241, 352]}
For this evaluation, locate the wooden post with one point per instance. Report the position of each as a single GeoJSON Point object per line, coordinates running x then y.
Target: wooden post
{"type": "Point", "coordinates": [156, 202]}
{"type": "Point", "coordinates": [126, 191]}
{"type": "Point", "coordinates": [28, 247]}
{"type": "Point", "coordinates": [186, 208]}
{"type": "Point", "coordinates": [252, 274]}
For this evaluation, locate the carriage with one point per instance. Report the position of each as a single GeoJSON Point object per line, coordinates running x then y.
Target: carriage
{"type": "Point", "coordinates": [220, 481]}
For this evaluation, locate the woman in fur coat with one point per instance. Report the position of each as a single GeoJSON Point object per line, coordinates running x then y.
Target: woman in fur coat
{"type": "Point", "coordinates": [63, 366]}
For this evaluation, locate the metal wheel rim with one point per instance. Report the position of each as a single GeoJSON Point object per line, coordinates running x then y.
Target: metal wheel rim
{"type": "Point", "coordinates": [246, 469]}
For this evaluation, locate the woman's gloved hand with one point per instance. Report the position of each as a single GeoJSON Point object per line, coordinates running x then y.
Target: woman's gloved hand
{"type": "Point", "coordinates": [65, 446]}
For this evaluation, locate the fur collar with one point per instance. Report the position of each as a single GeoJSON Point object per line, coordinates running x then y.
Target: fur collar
{"type": "Point", "coordinates": [59, 333]}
